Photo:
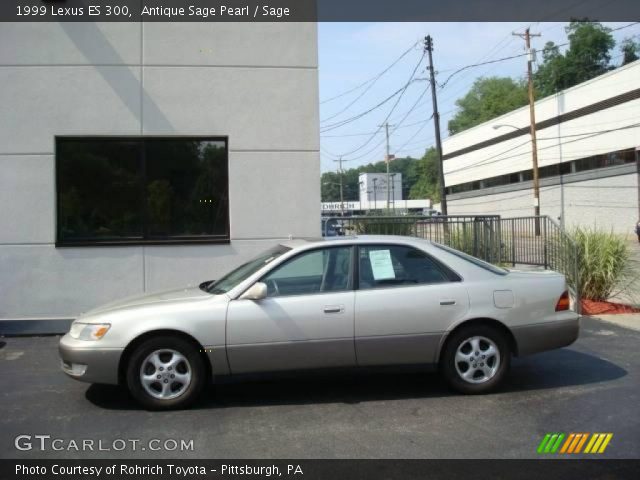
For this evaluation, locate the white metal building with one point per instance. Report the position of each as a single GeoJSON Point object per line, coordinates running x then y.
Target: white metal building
{"type": "Point", "coordinates": [588, 140]}
{"type": "Point", "coordinates": [374, 188]}
{"type": "Point", "coordinates": [138, 157]}
{"type": "Point", "coordinates": [373, 196]}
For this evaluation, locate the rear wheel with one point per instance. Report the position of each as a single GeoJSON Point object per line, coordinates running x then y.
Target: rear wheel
{"type": "Point", "coordinates": [165, 373]}
{"type": "Point", "coordinates": [476, 359]}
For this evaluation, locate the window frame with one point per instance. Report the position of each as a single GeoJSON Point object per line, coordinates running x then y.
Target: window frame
{"type": "Point", "coordinates": [351, 285]}
{"type": "Point", "coordinates": [450, 275]}
{"type": "Point", "coordinates": [137, 241]}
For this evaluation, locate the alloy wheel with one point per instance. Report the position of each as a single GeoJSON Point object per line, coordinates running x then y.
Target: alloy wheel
{"type": "Point", "coordinates": [477, 359]}
{"type": "Point", "coordinates": [165, 374]}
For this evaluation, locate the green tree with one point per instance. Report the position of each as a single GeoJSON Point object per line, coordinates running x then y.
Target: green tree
{"type": "Point", "coordinates": [488, 98]}
{"type": "Point", "coordinates": [426, 177]}
{"type": "Point", "coordinates": [588, 56]}
{"type": "Point", "coordinates": [630, 50]}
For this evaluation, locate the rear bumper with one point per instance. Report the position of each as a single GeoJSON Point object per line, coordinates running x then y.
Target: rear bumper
{"type": "Point", "coordinates": [83, 362]}
{"type": "Point", "coordinates": [546, 336]}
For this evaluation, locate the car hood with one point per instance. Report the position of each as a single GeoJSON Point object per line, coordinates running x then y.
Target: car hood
{"type": "Point", "coordinates": [182, 295]}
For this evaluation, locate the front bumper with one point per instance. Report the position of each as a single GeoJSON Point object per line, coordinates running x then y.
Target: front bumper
{"type": "Point", "coordinates": [546, 336]}
{"type": "Point", "coordinates": [83, 361]}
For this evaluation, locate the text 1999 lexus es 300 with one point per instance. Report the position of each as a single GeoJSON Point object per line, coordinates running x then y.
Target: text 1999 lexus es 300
{"type": "Point", "coordinates": [346, 302]}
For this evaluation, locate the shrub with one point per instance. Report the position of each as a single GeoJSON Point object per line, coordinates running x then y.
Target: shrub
{"type": "Point", "coordinates": [477, 239]}
{"type": "Point", "coordinates": [604, 263]}
{"type": "Point", "coordinates": [377, 224]}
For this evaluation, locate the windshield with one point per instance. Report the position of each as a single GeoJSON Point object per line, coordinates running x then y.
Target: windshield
{"type": "Point", "coordinates": [476, 261]}
{"type": "Point", "coordinates": [244, 271]}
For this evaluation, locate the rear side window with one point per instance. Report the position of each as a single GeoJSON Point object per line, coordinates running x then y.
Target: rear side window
{"type": "Point", "coordinates": [395, 265]}
{"type": "Point", "coordinates": [474, 260]}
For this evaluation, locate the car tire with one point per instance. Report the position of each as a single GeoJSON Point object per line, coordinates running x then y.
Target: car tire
{"type": "Point", "coordinates": [166, 373]}
{"type": "Point", "coordinates": [476, 359]}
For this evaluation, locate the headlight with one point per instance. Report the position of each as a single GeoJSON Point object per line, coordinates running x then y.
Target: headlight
{"type": "Point", "coordinates": [88, 331]}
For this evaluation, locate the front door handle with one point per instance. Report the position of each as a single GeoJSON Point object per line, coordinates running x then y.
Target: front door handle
{"type": "Point", "coordinates": [333, 308]}
{"type": "Point", "coordinates": [447, 302]}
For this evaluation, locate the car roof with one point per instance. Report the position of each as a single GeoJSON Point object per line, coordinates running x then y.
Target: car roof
{"type": "Point", "coordinates": [353, 239]}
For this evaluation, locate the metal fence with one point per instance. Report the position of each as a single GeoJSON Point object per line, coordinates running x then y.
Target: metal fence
{"type": "Point", "coordinates": [543, 242]}
{"type": "Point", "coordinates": [476, 235]}
{"type": "Point", "coordinates": [537, 241]}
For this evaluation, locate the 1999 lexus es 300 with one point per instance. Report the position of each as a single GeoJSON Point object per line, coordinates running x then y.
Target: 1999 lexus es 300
{"type": "Point", "coordinates": [346, 302]}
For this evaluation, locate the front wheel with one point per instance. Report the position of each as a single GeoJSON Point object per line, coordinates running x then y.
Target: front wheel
{"type": "Point", "coordinates": [165, 373]}
{"type": "Point", "coordinates": [476, 359]}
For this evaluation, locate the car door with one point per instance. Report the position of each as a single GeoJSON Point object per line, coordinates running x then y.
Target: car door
{"type": "Point", "coordinates": [405, 301]}
{"type": "Point", "coordinates": [306, 321]}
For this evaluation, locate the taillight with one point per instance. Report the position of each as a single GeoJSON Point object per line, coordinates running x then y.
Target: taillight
{"type": "Point", "coordinates": [563, 302]}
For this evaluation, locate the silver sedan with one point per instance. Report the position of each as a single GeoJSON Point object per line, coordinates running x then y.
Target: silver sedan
{"type": "Point", "coordinates": [302, 305]}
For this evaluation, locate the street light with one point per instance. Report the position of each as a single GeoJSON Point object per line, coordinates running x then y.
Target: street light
{"type": "Point", "coordinates": [500, 125]}
{"type": "Point", "coordinates": [536, 177]}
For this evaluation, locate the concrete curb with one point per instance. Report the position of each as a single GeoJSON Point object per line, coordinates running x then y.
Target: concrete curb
{"type": "Point", "coordinates": [626, 320]}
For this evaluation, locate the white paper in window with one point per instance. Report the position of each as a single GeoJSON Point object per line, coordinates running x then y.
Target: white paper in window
{"type": "Point", "coordinates": [381, 264]}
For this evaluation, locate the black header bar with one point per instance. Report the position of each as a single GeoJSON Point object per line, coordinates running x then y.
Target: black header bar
{"type": "Point", "coordinates": [316, 10]}
{"type": "Point", "coordinates": [569, 469]}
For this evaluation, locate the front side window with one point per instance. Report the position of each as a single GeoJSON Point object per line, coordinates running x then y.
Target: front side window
{"type": "Point", "coordinates": [244, 271]}
{"type": "Point", "coordinates": [114, 190]}
{"type": "Point", "coordinates": [393, 265]}
{"type": "Point", "coordinates": [316, 271]}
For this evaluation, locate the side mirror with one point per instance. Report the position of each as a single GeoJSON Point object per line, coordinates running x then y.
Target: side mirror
{"type": "Point", "coordinates": [257, 291]}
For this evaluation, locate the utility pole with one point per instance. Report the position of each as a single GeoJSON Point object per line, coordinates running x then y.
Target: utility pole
{"type": "Point", "coordinates": [428, 46]}
{"type": "Point", "coordinates": [387, 160]}
{"type": "Point", "coordinates": [532, 119]}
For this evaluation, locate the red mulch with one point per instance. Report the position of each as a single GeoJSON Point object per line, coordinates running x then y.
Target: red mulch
{"type": "Point", "coordinates": [591, 307]}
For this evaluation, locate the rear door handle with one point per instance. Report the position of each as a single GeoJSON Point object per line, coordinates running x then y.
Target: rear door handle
{"type": "Point", "coordinates": [447, 302]}
{"type": "Point", "coordinates": [333, 308]}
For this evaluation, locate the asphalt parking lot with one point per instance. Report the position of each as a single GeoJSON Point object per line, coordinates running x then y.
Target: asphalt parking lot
{"type": "Point", "coordinates": [592, 386]}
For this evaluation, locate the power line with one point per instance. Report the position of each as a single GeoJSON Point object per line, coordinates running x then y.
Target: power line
{"type": "Point", "coordinates": [489, 62]}
{"type": "Point", "coordinates": [413, 136]}
{"type": "Point", "coordinates": [342, 123]}
{"type": "Point", "coordinates": [363, 134]}
{"type": "Point", "coordinates": [409, 82]}
{"type": "Point", "coordinates": [444, 84]}
{"type": "Point", "coordinates": [373, 79]}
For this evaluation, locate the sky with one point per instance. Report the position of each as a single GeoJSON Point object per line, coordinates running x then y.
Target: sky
{"type": "Point", "coordinates": [353, 53]}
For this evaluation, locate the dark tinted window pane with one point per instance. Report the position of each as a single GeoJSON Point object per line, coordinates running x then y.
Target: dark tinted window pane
{"type": "Point", "coordinates": [99, 189]}
{"type": "Point", "coordinates": [565, 168]}
{"type": "Point", "coordinates": [391, 265]}
{"type": "Point", "coordinates": [141, 189]}
{"type": "Point", "coordinates": [186, 188]}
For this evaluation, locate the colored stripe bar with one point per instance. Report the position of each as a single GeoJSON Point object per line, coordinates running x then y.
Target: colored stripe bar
{"type": "Point", "coordinates": [554, 449]}
{"type": "Point", "coordinates": [581, 443]}
{"type": "Point", "coordinates": [591, 442]}
{"type": "Point", "coordinates": [567, 443]}
{"type": "Point", "coordinates": [551, 442]}
{"type": "Point", "coordinates": [543, 443]}
{"type": "Point", "coordinates": [605, 443]}
{"type": "Point", "coordinates": [575, 442]}
{"type": "Point", "coordinates": [596, 446]}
